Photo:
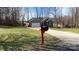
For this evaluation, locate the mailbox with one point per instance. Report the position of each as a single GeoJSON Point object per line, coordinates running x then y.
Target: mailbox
{"type": "Point", "coordinates": [44, 27]}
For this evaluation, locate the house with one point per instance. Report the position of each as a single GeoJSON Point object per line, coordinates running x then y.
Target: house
{"type": "Point", "coordinates": [35, 22]}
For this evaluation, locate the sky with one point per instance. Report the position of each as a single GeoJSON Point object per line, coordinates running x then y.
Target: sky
{"type": "Point", "coordinates": [32, 11]}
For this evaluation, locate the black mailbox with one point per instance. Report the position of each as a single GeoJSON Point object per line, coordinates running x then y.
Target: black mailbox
{"type": "Point", "coordinates": [44, 27]}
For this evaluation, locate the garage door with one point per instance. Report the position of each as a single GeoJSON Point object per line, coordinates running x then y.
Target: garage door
{"type": "Point", "coordinates": [35, 24]}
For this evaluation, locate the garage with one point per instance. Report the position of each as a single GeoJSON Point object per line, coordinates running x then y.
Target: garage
{"type": "Point", "coordinates": [35, 24]}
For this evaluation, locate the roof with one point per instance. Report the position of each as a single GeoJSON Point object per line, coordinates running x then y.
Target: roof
{"type": "Point", "coordinates": [39, 19]}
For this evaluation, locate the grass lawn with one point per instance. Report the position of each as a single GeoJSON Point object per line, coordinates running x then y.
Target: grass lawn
{"type": "Point", "coordinates": [26, 39]}
{"type": "Point", "coordinates": [75, 30]}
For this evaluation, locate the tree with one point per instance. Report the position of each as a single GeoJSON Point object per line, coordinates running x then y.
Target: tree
{"type": "Point", "coordinates": [10, 16]}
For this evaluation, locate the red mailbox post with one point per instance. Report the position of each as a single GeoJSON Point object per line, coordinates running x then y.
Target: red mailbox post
{"type": "Point", "coordinates": [43, 29]}
{"type": "Point", "coordinates": [42, 37]}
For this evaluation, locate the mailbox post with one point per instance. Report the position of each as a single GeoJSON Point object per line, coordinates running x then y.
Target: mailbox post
{"type": "Point", "coordinates": [42, 36]}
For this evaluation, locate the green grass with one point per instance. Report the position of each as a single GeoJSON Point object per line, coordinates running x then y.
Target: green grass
{"type": "Point", "coordinates": [74, 30]}
{"type": "Point", "coordinates": [26, 39]}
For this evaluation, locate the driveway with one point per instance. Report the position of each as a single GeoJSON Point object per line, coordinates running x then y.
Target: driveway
{"type": "Point", "coordinates": [68, 37]}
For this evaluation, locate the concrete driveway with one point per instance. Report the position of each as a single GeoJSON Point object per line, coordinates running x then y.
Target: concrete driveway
{"type": "Point", "coordinates": [68, 37]}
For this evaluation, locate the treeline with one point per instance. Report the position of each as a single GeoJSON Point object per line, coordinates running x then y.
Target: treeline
{"type": "Point", "coordinates": [73, 17]}
{"type": "Point", "coordinates": [71, 20]}
{"type": "Point", "coordinates": [10, 16]}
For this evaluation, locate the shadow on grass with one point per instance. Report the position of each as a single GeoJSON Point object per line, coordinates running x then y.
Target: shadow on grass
{"type": "Point", "coordinates": [17, 42]}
